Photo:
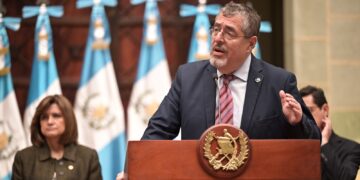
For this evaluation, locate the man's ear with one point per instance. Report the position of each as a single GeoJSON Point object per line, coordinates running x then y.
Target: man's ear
{"type": "Point", "coordinates": [325, 108]}
{"type": "Point", "coordinates": [253, 40]}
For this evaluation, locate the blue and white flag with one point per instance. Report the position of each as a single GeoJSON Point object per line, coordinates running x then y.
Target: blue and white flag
{"type": "Point", "coordinates": [265, 27]}
{"type": "Point", "coordinates": [201, 38]}
{"type": "Point", "coordinates": [44, 76]}
{"type": "Point", "coordinates": [98, 107]}
{"type": "Point", "coordinates": [153, 78]}
{"type": "Point", "coordinates": [12, 136]}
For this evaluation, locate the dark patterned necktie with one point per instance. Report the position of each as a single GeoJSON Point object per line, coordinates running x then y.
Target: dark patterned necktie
{"type": "Point", "coordinates": [226, 105]}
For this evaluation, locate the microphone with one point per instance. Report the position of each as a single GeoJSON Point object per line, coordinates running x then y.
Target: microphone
{"type": "Point", "coordinates": [216, 78]}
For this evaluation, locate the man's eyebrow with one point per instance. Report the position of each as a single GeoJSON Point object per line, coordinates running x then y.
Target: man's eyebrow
{"type": "Point", "coordinates": [311, 107]}
{"type": "Point", "coordinates": [229, 28]}
{"type": "Point", "coordinates": [226, 27]}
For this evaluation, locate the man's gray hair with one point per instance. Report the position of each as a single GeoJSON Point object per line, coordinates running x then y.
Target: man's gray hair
{"type": "Point", "coordinates": [251, 19]}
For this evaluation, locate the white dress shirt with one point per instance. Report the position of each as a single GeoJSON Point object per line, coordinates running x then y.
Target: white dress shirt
{"type": "Point", "coordinates": [238, 90]}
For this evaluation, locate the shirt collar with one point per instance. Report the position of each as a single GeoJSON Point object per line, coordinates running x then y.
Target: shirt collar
{"type": "Point", "coordinates": [243, 72]}
{"type": "Point", "coordinates": [69, 152]}
{"type": "Point", "coordinates": [44, 153]}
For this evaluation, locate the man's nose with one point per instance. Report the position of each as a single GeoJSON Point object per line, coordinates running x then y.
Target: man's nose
{"type": "Point", "coordinates": [218, 37]}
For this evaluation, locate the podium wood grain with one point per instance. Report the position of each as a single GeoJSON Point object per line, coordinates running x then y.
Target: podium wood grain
{"type": "Point", "coordinates": [270, 159]}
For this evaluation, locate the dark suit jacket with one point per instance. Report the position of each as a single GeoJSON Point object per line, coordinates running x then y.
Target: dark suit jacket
{"type": "Point", "coordinates": [340, 159]}
{"type": "Point", "coordinates": [190, 104]}
{"type": "Point", "coordinates": [79, 162]}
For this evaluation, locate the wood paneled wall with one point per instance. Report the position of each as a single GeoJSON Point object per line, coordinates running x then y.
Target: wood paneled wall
{"type": "Point", "coordinates": [126, 22]}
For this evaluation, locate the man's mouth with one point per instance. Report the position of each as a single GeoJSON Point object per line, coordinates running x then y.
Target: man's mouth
{"type": "Point", "coordinates": [218, 51]}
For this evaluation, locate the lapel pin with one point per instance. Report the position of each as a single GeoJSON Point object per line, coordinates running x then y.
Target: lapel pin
{"type": "Point", "coordinates": [258, 79]}
{"type": "Point", "coordinates": [70, 167]}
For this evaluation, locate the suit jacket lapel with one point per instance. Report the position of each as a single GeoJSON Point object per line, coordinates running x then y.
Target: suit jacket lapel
{"type": "Point", "coordinates": [254, 83]}
{"type": "Point", "coordinates": [209, 98]}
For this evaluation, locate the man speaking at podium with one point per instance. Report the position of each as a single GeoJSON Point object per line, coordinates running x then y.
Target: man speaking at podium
{"type": "Point", "coordinates": [233, 87]}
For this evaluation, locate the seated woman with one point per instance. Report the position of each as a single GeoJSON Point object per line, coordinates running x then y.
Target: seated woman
{"type": "Point", "coordinates": [55, 153]}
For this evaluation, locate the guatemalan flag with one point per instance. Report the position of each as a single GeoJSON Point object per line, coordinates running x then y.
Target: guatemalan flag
{"type": "Point", "coordinates": [44, 77]}
{"type": "Point", "coordinates": [12, 136]}
{"type": "Point", "coordinates": [200, 39]}
{"type": "Point", "coordinates": [98, 107]}
{"type": "Point", "coordinates": [153, 78]}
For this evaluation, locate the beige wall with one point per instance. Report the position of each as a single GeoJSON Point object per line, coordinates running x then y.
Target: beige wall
{"type": "Point", "coordinates": [322, 47]}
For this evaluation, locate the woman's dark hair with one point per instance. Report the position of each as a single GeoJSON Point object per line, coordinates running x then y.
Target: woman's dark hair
{"type": "Point", "coordinates": [70, 134]}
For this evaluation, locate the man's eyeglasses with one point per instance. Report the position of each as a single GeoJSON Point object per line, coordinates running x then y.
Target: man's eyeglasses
{"type": "Point", "coordinates": [226, 33]}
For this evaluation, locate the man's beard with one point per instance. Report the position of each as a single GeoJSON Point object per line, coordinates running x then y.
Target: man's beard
{"type": "Point", "coordinates": [217, 62]}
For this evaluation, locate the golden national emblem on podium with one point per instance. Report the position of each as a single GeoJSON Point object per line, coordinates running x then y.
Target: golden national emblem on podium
{"type": "Point", "coordinates": [224, 151]}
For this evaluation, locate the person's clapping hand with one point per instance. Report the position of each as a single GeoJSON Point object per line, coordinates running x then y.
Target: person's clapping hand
{"type": "Point", "coordinates": [326, 130]}
{"type": "Point", "coordinates": [121, 176]}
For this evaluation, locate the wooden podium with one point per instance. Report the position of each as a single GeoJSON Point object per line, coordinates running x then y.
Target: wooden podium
{"type": "Point", "coordinates": [270, 159]}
